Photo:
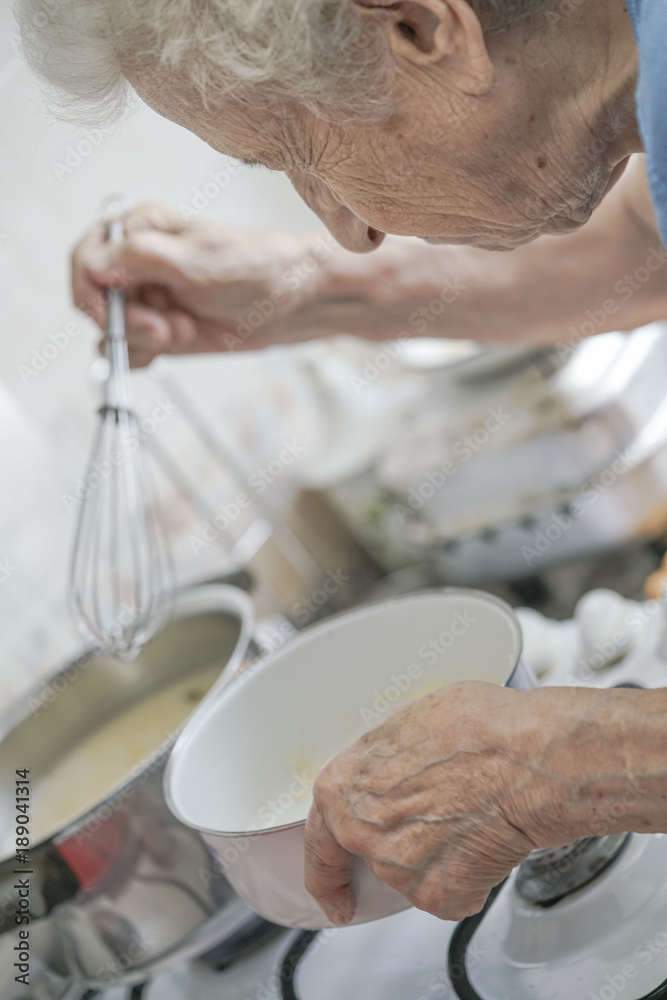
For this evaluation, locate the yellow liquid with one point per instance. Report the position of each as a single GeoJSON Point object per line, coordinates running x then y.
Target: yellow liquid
{"type": "Point", "coordinates": [107, 758]}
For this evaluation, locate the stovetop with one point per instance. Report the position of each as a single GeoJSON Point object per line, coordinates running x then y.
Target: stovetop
{"type": "Point", "coordinates": [403, 957]}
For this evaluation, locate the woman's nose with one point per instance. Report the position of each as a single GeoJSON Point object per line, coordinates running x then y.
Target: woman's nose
{"type": "Point", "coordinates": [350, 231]}
{"type": "Point", "coordinates": [347, 228]}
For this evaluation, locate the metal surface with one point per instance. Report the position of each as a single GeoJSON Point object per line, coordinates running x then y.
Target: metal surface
{"type": "Point", "coordinates": [120, 574]}
{"type": "Point", "coordinates": [126, 888]}
{"type": "Point", "coordinates": [541, 465]}
{"type": "Point", "coordinates": [550, 874]}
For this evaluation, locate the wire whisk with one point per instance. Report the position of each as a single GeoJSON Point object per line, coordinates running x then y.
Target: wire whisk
{"type": "Point", "coordinates": [121, 574]}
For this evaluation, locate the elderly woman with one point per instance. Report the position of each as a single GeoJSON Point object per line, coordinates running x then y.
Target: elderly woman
{"type": "Point", "coordinates": [476, 126]}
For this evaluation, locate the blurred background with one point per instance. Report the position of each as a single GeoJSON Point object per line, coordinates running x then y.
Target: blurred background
{"type": "Point", "coordinates": [538, 474]}
{"type": "Point", "coordinates": [53, 178]}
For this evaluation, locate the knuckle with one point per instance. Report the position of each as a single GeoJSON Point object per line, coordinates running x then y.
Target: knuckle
{"type": "Point", "coordinates": [429, 900]}
{"type": "Point", "coordinates": [320, 794]}
{"type": "Point", "coordinates": [354, 838]}
{"type": "Point", "coordinates": [326, 784]}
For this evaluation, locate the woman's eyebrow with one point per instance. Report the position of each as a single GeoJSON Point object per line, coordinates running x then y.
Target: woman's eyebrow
{"type": "Point", "coordinates": [267, 162]}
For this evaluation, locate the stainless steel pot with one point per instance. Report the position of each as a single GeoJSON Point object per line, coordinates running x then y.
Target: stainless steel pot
{"type": "Point", "coordinates": [125, 888]}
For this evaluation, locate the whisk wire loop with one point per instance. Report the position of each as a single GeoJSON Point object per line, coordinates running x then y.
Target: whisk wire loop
{"type": "Point", "coordinates": [121, 573]}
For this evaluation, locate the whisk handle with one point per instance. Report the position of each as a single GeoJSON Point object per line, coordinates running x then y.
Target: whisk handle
{"type": "Point", "coordinates": [115, 297]}
{"type": "Point", "coordinates": [116, 317]}
{"type": "Point", "coordinates": [117, 391]}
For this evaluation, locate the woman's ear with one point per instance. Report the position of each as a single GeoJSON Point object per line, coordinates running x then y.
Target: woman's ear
{"type": "Point", "coordinates": [444, 33]}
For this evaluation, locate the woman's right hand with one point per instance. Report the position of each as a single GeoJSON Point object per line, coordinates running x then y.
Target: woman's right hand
{"type": "Point", "coordinates": [197, 286]}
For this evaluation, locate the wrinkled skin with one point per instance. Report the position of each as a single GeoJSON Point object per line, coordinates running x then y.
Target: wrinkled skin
{"type": "Point", "coordinates": [376, 800]}
{"type": "Point", "coordinates": [447, 795]}
{"type": "Point", "coordinates": [494, 140]}
{"type": "Point", "coordinates": [171, 271]}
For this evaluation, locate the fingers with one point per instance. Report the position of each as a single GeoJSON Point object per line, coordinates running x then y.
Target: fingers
{"type": "Point", "coordinates": [154, 215]}
{"type": "Point", "coordinates": [328, 870]}
{"type": "Point", "coordinates": [97, 265]}
{"type": "Point", "coordinates": [143, 257]}
{"type": "Point", "coordinates": [151, 332]}
{"type": "Point", "coordinates": [87, 293]}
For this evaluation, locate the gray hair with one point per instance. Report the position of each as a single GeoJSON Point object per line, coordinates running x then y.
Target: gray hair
{"type": "Point", "coordinates": [323, 54]}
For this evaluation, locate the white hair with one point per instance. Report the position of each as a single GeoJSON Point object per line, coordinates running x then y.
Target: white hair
{"type": "Point", "coordinates": [324, 54]}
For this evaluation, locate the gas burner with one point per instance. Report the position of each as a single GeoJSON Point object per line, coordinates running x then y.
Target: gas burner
{"type": "Point", "coordinates": [605, 941]}
{"type": "Point", "coordinates": [547, 876]}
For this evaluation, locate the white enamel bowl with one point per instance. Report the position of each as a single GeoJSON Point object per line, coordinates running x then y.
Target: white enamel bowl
{"type": "Point", "coordinates": [243, 768]}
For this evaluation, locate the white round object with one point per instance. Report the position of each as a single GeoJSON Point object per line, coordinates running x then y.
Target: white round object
{"type": "Point", "coordinates": [604, 622]}
{"type": "Point", "coordinates": [608, 941]}
{"type": "Point", "coordinates": [546, 643]}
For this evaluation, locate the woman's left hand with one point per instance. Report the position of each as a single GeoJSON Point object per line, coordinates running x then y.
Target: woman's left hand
{"type": "Point", "coordinates": [448, 794]}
